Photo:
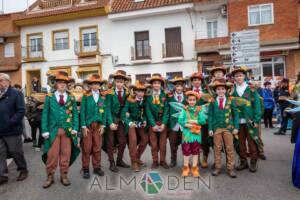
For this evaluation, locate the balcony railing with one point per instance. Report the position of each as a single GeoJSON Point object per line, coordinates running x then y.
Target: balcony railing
{"type": "Point", "coordinates": [172, 49]}
{"type": "Point", "coordinates": [55, 3]}
{"type": "Point", "coordinates": [84, 48]}
{"type": "Point", "coordinates": [141, 54]}
{"type": "Point", "coordinates": [33, 53]}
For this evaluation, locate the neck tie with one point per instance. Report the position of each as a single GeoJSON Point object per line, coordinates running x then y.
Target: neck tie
{"type": "Point", "coordinates": [61, 100]}
{"type": "Point", "coordinates": [197, 90]}
{"type": "Point", "coordinates": [221, 100]}
{"type": "Point", "coordinates": [120, 98]}
{"type": "Point", "coordinates": [179, 98]}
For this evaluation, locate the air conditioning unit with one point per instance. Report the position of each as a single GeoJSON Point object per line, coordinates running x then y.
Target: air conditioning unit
{"type": "Point", "coordinates": [224, 11]}
{"type": "Point", "coordinates": [2, 40]}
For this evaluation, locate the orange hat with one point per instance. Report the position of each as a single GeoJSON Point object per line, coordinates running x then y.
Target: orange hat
{"type": "Point", "coordinates": [120, 74]}
{"type": "Point", "coordinates": [222, 68]}
{"type": "Point", "coordinates": [196, 75]}
{"type": "Point", "coordinates": [221, 82]}
{"type": "Point", "coordinates": [157, 77]}
{"type": "Point", "coordinates": [139, 86]}
{"type": "Point", "coordinates": [94, 78]}
{"type": "Point", "coordinates": [243, 69]}
{"type": "Point", "coordinates": [192, 93]}
{"type": "Point", "coordinates": [62, 76]}
{"type": "Point", "coordinates": [178, 80]}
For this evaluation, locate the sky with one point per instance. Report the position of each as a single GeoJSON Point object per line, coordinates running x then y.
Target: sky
{"type": "Point", "coordinates": [14, 5]}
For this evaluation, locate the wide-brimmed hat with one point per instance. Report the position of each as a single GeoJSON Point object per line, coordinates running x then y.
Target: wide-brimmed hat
{"type": "Point", "coordinates": [71, 79]}
{"type": "Point", "coordinates": [193, 93]}
{"type": "Point", "coordinates": [178, 80]}
{"type": "Point", "coordinates": [120, 74]}
{"type": "Point", "coordinates": [156, 77]}
{"type": "Point", "coordinates": [221, 82]}
{"type": "Point", "coordinates": [62, 76]}
{"type": "Point", "coordinates": [196, 75]}
{"type": "Point", "coordinates": [94, 78]}
{"type": "Point", "coordinates": [243, 69]}
{"type": "Point", "coordinates": [139, 86]}
{"type": "Point", "coordinates": [222, 68]}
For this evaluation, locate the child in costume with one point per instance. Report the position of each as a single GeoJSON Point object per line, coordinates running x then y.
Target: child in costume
{"type": "Point", "coordinates": [223, 122]}
{"type": "Point", "coordinates": [190, 119]}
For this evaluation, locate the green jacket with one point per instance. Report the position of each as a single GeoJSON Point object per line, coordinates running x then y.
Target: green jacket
{"type": "Point", "coordinates": [157, 112]}
{"type": "Point", "coordinates": [114, 106]}
{"type": "Point", "coordinates": [91, 111]}
{"type": "Point", "coordinates": [136, 112]}
{"type": "Point", "coordinates": [227, 118]}
{"type": "Point", "coordinates": [55, 116]}
{"type": "Point", "coordinates": [173, 120]}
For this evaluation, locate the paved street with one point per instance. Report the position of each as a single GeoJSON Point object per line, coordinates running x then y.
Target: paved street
{"type": "Point", "coordinates": [272, 181]}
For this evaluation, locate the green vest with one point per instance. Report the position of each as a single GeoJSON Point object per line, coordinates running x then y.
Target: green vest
{"type": "Point", "coordinates": [55, 116]}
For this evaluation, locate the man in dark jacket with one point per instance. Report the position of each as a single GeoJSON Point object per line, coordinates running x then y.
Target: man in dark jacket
{"type": "Point", "coordinates": [12, 109]}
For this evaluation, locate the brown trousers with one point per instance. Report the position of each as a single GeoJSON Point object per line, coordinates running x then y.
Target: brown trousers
{"type": "Point", "coordinates": [60, 150]}
{"type": "Point", "coordinates": [243, 137]}
{"type": "Point", "coordinates": [158, 139]}
{"type": "Point", "coordinates": [174, 137]}
{"type": "Point", "coordinates": [121, 137]}
{"type": "Point", "coordinates": [222, 135]}
{"type": "Point", "coordinates": [134, 151]}
{"type": "Point", "coordinates": [91, 145]}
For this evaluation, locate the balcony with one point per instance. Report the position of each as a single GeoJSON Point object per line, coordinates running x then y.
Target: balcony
{"type": "Point", "coordinates": [172, 51]}
{"type": "Point", "coordinates": [9, 64]}
{"type": "Point", "coordinates": [55, 3]}
{"type": "Point", "coordinates": [141, 56]}
{"type": "Point", "coordinates": [86, 48]}
{"type": "Point", "coordinates": [33, 53]}
{"type": "Point", "coordinates": [212, 45]}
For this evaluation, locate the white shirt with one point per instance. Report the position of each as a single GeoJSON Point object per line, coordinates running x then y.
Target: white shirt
{"type": "Point", "coordinates": [177, 95]}
{"type": "Point", "coordinates": [95, 95]}
{"type": "Point", "coordinates": [156, 93]}
{"type": "Point", "coordinates": [57, 95]}
{"type": "Point", "coordinates": [224, 101]}
{"type": "Point", "coordinates": [241, 88]}
{"type": "Point", "coordinates": [122, 91]}
{"type": "Point", "coordinates": [139, 99]}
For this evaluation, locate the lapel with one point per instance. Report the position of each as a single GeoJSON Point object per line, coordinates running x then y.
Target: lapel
{"type": "Point", "coordinates": [55, 99]}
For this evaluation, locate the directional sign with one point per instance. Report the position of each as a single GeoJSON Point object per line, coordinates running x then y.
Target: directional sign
{"type": "Point", "coordinates": [245, 48]}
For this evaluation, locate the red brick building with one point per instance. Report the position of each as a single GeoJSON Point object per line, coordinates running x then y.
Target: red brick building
{"type": "Point", "coordinates": [278, 23]}
{"type": "Point", "coordinates": [10, 50]}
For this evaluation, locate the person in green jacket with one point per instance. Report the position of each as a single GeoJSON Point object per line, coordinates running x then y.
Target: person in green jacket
{"type": "Point", "coordinates": [175, 130]}
{"type": "Point", "coordinates": [93, 120]}
{"type": "Point", "coordinates": [191, 118]}
{"type": "Point", "coordinates": [157, 111]}
{"type": "Point", "coordinates": [134, 118]}
{"type": "Point", "coordinates": [116, 99]}
{"type": "Point", "coordinates": [223, 123]}
{"type": "Point", "coordinates": [250, 116]}
{"type": "Point", "coordinates": [59, 129]}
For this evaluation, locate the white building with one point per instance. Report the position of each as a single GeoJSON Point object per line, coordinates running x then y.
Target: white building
{"type": "Point", "coordinates": [152, 38]}
{"type": "Point", "coordinates": [65, 35]}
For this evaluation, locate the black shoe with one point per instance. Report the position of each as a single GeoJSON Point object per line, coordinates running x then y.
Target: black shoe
{"type": "Point", "coordinates": [23, 175]}
{"type": "Point", "coordinates": [3, 180]}
{"type": "Point", "coordinates": [98, 172]}
{"type": "Point", "coordinates": [279, 133]}
{"type": "Point", "coordinates": [253, 166]}
{"type": "Point", "coordinates": [272, 126]}
{"type": "Point", "coordinates": [262, 157]}
{"type": "Point", "coordinates": [243, 165]}
{"type": "Point", "coordinates": [121, 163]}
{"type": "Point", "coordinates": [86, 174]}
{"type": "Point", "coordinates": [27, 140]}
{"type": "Point", "coordinates": [173, 163]}
{"type": "Point", "coordinates": [164, 164]}
{"type": "Point", "coordinates": [113, 167]}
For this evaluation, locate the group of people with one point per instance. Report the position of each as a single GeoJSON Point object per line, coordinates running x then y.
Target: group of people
{"type": "Point", "coordinates": [224, 113]}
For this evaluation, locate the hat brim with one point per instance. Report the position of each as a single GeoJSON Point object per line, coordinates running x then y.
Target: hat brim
{"type": "Point", "coordinates": [178, 81]}
{"type": "Point", "coordinates": [213, 70]}
{"type": "Point", "coordinates": [239, 70]}
{"type": "Point", "coordinates": [156, 79]}
{"type": "Point", "coordinates": [193, 77]}
{"type": "Point", "coordinates": [226, 85]}
{"type": "Point", "coordinates": [119, 76]}
{"type": "Point", "coordinates": [62, 79]}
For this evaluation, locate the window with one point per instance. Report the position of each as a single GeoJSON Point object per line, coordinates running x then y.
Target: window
{"type": "Point", "coordinates": [273, 67]}
{"type": "Point", "coordinates": [89, 39]}
{"type": "Point", "coordinates": [36, 44]}
{"type": "Point", "coordinates": [260, 14]}
{"type": "Point", "coordinates": [206, 65]}
{"type": "Point", "coordinates": [173, 46]}
{"type": "Point", "coordinates": [9, 50]}
{"type": "Point", "coordinates": [142, 45]}
{"type": "Point", "coordinates": [60, 40]}
{"type": "Point", "coordinates": [142, 77]}
{"type": "Point", "coordinates": [212, 29]}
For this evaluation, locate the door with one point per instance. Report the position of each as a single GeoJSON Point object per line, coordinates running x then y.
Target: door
{"type": "Point", "coordinates": [30, 75]}
{"type": "Point", "coordinates": [173, 42]}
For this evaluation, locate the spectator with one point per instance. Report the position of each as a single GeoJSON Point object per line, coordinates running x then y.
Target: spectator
{"type": "Point", "coordinates": [282, 95]}
{"type": "Point", "coordinates": [269, 104]}
{"type": "Point", "coordinates": [12, 109]}
{"type": "Point", "coordinates": [35, 85]}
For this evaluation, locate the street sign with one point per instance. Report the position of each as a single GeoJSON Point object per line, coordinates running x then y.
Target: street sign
{"type": "Point", "coordinates": [245, 48]}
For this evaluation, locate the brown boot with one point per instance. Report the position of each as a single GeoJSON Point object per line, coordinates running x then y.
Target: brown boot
{"type": "Point", "coordinates": [154, 165]}
{"type": "Point", "coordinates": [173, 163]}
{"type": "Point", "coordinates": [216, 172]}
{"type": "Point", "coordinates": [231, 173]}
{"type": "Point", "coordinates": [164, 164]}
{"type": "Point", "coordinates": [195, 171]}
{"type": "Point", "coordinates": [253, 166]}
{"type": "Point", "coordinates": [204, 163]}
{"type": "Point", "coordinates": [23, 175]}
{"type": "Point", "coordinates": [64, 180]}
{"type": "Point", "coordinates": [135, 166]}
{"type": "Point", "coordinates": [49, 181]}
{"type": "Point", "coordinates": [186, 171]}
{"type": "Point", "coordinates": [243, 165]}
